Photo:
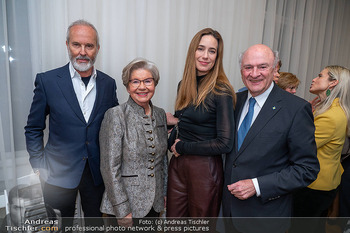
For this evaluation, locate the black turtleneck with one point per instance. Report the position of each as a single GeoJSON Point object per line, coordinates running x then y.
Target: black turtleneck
{"type": "Point", "coordinates": [86, 80]}
{"type": "Point", "coordinates": [206, 131]}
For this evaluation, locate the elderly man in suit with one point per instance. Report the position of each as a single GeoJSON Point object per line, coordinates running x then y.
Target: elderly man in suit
{"type": "Point", "coordinates": [275, 150]}
{"type": "Point", "coordinates": [75, 97]}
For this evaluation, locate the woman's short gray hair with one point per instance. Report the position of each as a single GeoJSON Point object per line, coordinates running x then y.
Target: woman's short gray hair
{"type": "Point", "coordinates": [140, 63]}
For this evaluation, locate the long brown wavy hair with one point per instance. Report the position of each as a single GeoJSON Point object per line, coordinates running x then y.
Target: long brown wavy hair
{"type": "Point", "coordinates": [215, 81]}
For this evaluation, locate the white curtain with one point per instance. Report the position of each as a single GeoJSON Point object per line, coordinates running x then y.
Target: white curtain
{"type": "Point", "coordinates": [309, 34]}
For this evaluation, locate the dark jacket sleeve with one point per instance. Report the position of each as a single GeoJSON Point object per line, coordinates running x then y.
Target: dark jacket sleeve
{"type": "Point", "coordinates": [36, 124]}
{"type": "Point", "coordinates": [304, 165]}
{"type": "Point", "coordinates": [115, 98]}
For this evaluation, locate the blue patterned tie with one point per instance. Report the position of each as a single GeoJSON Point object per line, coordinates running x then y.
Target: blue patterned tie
{"type": "Point", "coordinates": [243, 129]}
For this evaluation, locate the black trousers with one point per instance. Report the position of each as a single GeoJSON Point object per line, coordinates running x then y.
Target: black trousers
{"type": "Point", "coordinates": [311, 203]}
{"type": "Point", "coordinates": [64, 199]}
{"type": "Point", "coordinates": [344, 190]}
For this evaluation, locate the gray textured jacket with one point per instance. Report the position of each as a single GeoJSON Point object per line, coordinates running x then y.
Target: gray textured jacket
{"type": "Point", "coordinates": [134, 162]}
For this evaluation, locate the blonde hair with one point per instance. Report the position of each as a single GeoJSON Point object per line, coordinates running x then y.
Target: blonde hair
{"type": "Point", "coordinates": [215, 82]}
{"type": "Point", "coordinates": [341, 91]}
{"type": "Point", "coordinates": [287, 80]}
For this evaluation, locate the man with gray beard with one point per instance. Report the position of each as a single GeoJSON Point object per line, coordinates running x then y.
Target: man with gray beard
{"type": "Point", "coordinates": [75, 97]}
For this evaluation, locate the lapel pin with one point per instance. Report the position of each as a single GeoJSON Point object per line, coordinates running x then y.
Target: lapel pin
{"type": "Point", "coordinates": [273, 108]}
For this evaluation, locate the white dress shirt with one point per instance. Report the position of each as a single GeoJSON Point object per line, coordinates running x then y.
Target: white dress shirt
{"type": "Point", "coordinates": [86, 95]}
{"type": "Point", "coordinates": [260, 101]}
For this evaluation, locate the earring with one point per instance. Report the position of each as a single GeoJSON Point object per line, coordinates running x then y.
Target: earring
{"type": "Point", "coordinates": [328, 92]}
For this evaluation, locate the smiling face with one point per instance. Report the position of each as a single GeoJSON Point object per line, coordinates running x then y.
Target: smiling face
{"type": "Point", "coordinates": [141, 92]}
{"type": "Point", "coordinates": [257, 69]}
{"type": "Point", "coordinates": [82, 48]}
{"type": "Point", "coordinates": [206, 54]}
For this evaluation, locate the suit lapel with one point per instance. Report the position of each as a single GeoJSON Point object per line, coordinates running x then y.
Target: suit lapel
{"type": "Point", "coordinates": [99, 96]}
{"type": "Point", "coordinates": [64, 82]}
{"type": "Point", "coordinates": [241, 98]}
{"type": "Point", "coordinates": [271, 107]}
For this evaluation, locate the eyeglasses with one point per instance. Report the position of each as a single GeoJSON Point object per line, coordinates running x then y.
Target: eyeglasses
{"type": "Point", "coordinates": [147, 82]}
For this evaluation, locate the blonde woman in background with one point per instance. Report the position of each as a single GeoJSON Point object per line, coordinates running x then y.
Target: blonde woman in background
{"type": "Point", "coordinates": [332, 115]}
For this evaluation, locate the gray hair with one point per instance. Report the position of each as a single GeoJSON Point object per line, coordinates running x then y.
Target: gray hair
{"type": "Point", "coordinates": [85, 23]}
{"type": "Point", "coordinates": [140, 63]}
{"type": "Point", "coordinates": [275, 60]}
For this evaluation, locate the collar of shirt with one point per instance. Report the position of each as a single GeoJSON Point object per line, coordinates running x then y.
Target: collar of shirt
{"type": "Point", "coordinates": [260, 101]}
{"type": "Point", "coordinates": [74, 73]}
{"type": "Point", "coordinates": [85, 95]}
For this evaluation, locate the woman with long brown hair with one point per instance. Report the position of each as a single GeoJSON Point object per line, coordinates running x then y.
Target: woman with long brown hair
{"type": "Point", "coordinates": [204, 130]}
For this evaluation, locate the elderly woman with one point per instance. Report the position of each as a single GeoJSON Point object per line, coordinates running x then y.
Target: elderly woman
{"type": "Point", "coordinates": [332, 115]}
{"type": "Point", "coordinates": [288, 82]}
{"type": "Point", "coordinates": [133, 142]}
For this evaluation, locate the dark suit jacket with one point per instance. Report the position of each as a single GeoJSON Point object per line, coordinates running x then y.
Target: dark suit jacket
{"type": "Point", "coordinates": [71, 140]}
{"type": "Point", "coordinates": [280, 151]}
